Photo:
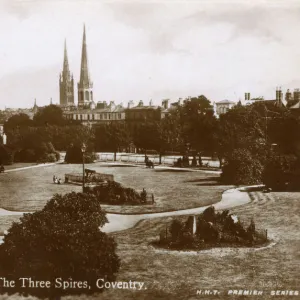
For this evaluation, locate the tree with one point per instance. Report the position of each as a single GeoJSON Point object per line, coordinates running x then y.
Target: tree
{"type": "Point", "coordinates": [284, 131]}
{"type": "Point", "coordinates": [198, 124]}
{"type": "Point", "coordinates": [50, 115]}
{"type": "Point", "coordinates": [277, 171]}
{"type": "Point", "coordinates": [62, 241]}
{"type": "Point", "coordinates": [241, 167]}
{"type": "Point", "coordinates": [112, 137]}
{"type": "Point", "coordinates": [74, 155]}
{"type": "Point", "coordinates": [16, 122]}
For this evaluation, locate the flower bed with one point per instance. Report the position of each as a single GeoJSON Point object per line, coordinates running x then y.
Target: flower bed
{"type": "Point", "coordinates": [211, 229]}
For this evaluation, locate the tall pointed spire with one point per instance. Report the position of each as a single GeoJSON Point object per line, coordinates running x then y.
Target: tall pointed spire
{"type": "Point", "coordinates": [66, 84]}
{"type": "Point", "coordinates": [66, 71]}
{"type": "Point", "coordinates": [84, 71]}
{"type": "Point", "coordinates": [85, 85]}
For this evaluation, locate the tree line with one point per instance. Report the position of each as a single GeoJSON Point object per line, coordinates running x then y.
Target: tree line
{"type": "Point", "coordinates": [245, 140]}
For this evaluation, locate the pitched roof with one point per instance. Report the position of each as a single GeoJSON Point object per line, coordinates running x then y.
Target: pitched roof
{"type": "Point", "coordinates": [225, 102]}
{"type": "Point", "coordinates": [295, 106]}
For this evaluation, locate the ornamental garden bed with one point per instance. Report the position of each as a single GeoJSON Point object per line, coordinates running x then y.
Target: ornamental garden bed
{"type": "Point", "coordinates": [113, 193]}
{"type": "Point", "coordinates": [210, 230]}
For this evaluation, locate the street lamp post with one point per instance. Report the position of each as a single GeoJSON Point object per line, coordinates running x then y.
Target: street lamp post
{"type": "Point", "coordinates": [83, 148]}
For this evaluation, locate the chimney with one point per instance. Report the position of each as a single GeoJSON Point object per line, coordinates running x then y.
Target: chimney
{"type": "Point", "coordinates": [277, 94]}
{"type": "Point", "coordinates": [100, 105]}
{"type": "Point", "coordinates": [130, 104]}
{"type": "Point", "coordinates": [104, 104]}
{"type": "Point", "coordinates": [165, 103]}
{"type": "Point", "coordinates": [150, 102]}
{"type": "Point", "coordinates": [247, 96]}
{"type": "Point", "coordinates": [296, 94]}
{"type": "Point", "coordinates": [112, 105]}
{"type": "Point", "coordinates": [280, 95]}
{"type": "Point", "coordinates": [141, 103]}
{"type": "Point", "coordinates": [288, 95]}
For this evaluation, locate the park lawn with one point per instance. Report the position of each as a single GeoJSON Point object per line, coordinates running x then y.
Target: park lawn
{"type": "Point", "coordinates": [19, 165]}
{"type": "Point", "coordinates": [171, 275]}
{"type": "Point", "coordinates": [29, 190]}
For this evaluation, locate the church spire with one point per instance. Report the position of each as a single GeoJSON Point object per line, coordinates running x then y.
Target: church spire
{"type": "Point", "coordinates": [66, 84]}
{"type": "Point", "coordinates": [84, 71]}
{"type": "Point", "coordinates": [85, 85]}
{"type": "Point", "coordinates": [66, 71]}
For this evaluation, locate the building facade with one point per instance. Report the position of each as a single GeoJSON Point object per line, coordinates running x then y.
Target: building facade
{"type": "Point", "coordinates": [101, 114]}
{"type": "Point", "coordinates": [222, 107]}
{"type": "Point", "coordinates": [137, 115]}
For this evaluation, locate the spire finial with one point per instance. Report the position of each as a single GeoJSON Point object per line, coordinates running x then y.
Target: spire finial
{"type": "Point", "coordinates": [84, 36]}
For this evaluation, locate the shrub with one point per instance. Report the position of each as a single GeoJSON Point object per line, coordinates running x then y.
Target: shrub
{"type": "Point", "coordinates": [207, 230]}
{"type": "Point", "coordinates": [57, 155]}
{"type": "Point", "coordinates": [212, 229]}
{"type": "Point", "coordinates": [61, 241]}
{"type": "Point", "coordinates": [74, 155]}
{"type": "Point", "coordinates": [7, 155]}
{"type": "Point", "coordinates": [176, 229]}
{"type": "Point", "coordinates": [90, 157]}
{"type": "Point", "coordinates": [277, 169]}
{"type": "Point", "coordinates": [114, 193]}
{"type": "Point", "coordinates": [242, 168]}
{"type": "Point", "coordinates": [209, 214]}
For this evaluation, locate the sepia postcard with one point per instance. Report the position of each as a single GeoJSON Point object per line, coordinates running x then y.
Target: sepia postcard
{"type": "Point", "coordinates": [149, 149]}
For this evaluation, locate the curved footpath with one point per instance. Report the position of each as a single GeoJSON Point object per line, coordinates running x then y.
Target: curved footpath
{"type": "Point", "coordinates": [230, 198]}
{"type": "Point", "coordinates": [117, 222]}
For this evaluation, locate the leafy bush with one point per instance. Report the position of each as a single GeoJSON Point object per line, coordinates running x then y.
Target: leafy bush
{"type": "Point", "coordinates": [61, 241]}
{"type": "Point", "coordinates": [74, 155]}
{"type": "Point", "coordinates": [212, 229]}
{"type": "Point", "coordinates": [57, 155]}
{"type": "Point", "coordinates": [242, 168]}
{"type": "Point", "coordinates": [277, 169]}
{"type": "Point", "coordinates": [114, 193]}
{"type": "Point", "coordinates": [7, 155]}
{"type": "Point", "coordinates": [175, 229]}
{"type": "Point", "coordinates": [90, 157]}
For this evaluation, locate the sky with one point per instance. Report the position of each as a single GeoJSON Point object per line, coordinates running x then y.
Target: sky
{"type": "Point", "coordinates": [142, 50]}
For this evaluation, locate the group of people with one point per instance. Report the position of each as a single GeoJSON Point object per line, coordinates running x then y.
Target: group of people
{"type": "Point", "coordinates": [56, 180]}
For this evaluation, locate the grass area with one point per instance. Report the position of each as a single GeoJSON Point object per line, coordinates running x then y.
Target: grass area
{"type": "Point", "coordinates": [29, 190]}
{"type": "Point", "coordinates": [174, 275]}
{"type": "Point", "coordinates": [19, 165]}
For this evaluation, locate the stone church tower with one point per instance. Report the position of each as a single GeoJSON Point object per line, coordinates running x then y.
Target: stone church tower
{"type": "Point", "coordinates": [66, 83]}
{"type": "Point", "coordinates": [85, 85]}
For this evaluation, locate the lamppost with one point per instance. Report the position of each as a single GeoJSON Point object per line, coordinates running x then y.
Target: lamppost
{"type": "Point", "coordinates": [83, 148]}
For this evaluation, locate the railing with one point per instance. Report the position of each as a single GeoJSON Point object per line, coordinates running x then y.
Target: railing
{"type": "Point", "coordinates": [97, 177]}
{"type": "Point", "coordinates": [140, 159]}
